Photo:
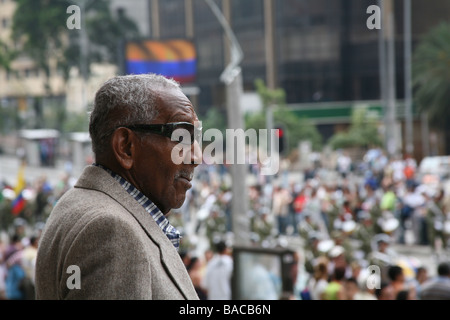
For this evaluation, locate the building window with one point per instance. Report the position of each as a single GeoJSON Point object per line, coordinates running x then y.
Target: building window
{"type": "Point", "coordinates": [172, 19]}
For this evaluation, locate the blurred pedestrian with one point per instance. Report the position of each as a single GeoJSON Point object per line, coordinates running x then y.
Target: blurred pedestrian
{"type": "Point", "coordinates": [15, 273]}
{"type": "Point", "coordinates": [385, 291]}
{"type": "Point", "coordinates": [351, 289]}
{"type": "Point", "coordinates": [281, 200]}
{"type": "Point", "coordinates": [29, 265]}
{"type": "Point", "coordinates": [43, 194]}
{"type": "Point", "coordinates": [109, 234]}
{"type": "Point", "coordinates": [405, 294]}
{"type": "Point", "coordinates": [335, 289]}
{"type": "Point", "coordinates": [217, 279]}
{"type": "Point", "coordinates": [437, 288]}
{"type": "Point", "coordinates": [396, 278]}
{"type": "Point", "coordinates": [195, 273]}
{"type": "Point", "coordinates": [421, 276]}
{"type": "Point", "coordinates": [319, 279]}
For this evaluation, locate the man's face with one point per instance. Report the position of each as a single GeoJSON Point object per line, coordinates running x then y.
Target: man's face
{"type": "Point", "coordinates": [158, 177]}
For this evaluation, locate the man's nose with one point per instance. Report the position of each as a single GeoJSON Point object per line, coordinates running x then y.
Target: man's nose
{"type": "Point", "coordinates": [196, 153]}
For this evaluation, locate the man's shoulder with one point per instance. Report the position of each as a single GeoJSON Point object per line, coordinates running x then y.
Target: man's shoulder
{"type": "Point", "coordinates": [435, 288]}
{"type": "Point", "coordinates": [77, 198]}
{"type": "Point", "coordinates": [79, 207]}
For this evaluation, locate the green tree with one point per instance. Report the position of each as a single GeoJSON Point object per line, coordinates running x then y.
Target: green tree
{"type": "Point", "coordinates": [76, 122]}
{"type": "Point", "coordinates": [106, 33]}
{"type": "Point", "coordinates": [431, 77]}
{"type": "Point", "coordinates": [297, 129]}
{"type": "Point", "coordinates": [40, 25]}
{"type": "Point", "coordinates": [276, 97]}
{"type": "Point", "coordinates": [215, 119]}
{"type": "Point", "coordinates": [6, 56]}
{"type": "Point", "coordinates": [363, 131]}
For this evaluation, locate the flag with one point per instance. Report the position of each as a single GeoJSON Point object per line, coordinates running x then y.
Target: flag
{"type": "Point", "coordinates": [20, 179]}
{"type": "Point", "coordinates": [19, 202]}
{"type": "Point", "coordinates": [174, 58]}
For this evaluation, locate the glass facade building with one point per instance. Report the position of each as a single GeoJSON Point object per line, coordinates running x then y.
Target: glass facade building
{"type": "Point", "coordinates": [323, 50]}
{"type": "Point", "coordinates": [316, 50]}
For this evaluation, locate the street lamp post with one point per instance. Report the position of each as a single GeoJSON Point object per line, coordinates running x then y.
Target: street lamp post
{"type": "Point", "coordinates": [387, 59]}
{"type": "Point", "coordinates": [84, 53]}
{"type": "Point", "coordinates": [232, 77]}
{"type": "Point", "coordinates": [409, 136]}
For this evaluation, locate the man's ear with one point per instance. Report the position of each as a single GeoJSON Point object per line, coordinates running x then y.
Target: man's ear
{"type": "Point", "coordinates": [123, 147]}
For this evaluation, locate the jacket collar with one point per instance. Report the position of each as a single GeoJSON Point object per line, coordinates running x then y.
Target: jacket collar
{"type": "Point", "coordinates": [96, 178]}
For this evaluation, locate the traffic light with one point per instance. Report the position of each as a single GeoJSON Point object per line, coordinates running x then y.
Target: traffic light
{"type": "Point", "coordinates": [280, 134]}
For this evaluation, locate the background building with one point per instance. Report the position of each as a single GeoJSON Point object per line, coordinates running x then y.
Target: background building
{"type": "Point", "coordinates": [320, 52]}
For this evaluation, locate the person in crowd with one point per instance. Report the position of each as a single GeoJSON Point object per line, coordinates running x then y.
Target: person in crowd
{"type": "Point", "coordinates": [352, 290]}
{"type": "Point", "coordinates": [280, 207]}
{"type": "Point", "coordinates": [319, 280]}
{"type": "Point", "coordinates": [382, 255]}
{"type": "Point", "coordinates": [29, 266]}
{"type": "Point", "coordinates": [109, 237]}
{"type": "Point", "coordinates": [195, 272]}
{"type": "Point", "coordinates": [421, 275]}
{"type": "Point", "coordinates": [437, 288]}
{"type": "Point", "coordinates": [385, 291]}
{"type": "Point", "coordinates": [335, 289]}
{"type": "Point", "coordinates": [396, 278]}
{"type": "Point", "coordinates": [435, 219]}
{"type": "Point", "coordinates": [15, 273]}
{"type": "Point", "coordinates": [219, 270]}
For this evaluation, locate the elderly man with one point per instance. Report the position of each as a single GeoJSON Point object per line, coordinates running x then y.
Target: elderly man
{"type": "Point", "coordinates": [109, 237]}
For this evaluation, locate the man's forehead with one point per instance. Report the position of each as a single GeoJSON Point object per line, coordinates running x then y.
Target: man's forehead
{"type": "Point", "coordinates": [174, 103]}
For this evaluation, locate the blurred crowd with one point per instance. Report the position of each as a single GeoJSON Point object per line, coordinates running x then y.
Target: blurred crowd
{"type": "Point", "coordinates": [349, 216]}
{"type": "Point", "coordinates": [22, 219]}
{"type": "Point", "coordinates": [346, 216]}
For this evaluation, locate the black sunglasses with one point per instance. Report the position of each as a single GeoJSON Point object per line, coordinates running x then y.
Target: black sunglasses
{"type": "Point", "coordinates": [168, 129]}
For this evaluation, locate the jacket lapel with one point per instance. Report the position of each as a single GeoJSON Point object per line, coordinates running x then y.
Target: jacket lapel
{"type": "Point", "coordinates": [98, 179]}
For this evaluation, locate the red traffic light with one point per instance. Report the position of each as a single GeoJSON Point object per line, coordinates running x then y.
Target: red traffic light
{"type": "Point", "coordinates": [279, 133]}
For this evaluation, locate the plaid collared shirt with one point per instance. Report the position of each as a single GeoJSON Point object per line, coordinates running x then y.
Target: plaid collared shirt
{"type": "Point", "coordinates": [170, 231]}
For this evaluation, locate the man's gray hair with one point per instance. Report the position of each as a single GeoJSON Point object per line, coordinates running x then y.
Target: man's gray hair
{"type": "Point", "coordinates": [124, 100]}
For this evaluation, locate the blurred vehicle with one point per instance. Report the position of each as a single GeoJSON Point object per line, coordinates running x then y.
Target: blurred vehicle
{"type": "Point", "coordinates": [433, 169]}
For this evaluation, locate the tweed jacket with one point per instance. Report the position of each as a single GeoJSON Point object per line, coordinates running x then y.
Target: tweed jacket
{"type": "Point", "coordinates": [99, 243]}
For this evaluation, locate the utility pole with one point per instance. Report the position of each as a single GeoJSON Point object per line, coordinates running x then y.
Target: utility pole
{"type": "Point", "coordinates": [388, 39]}
{"type": "Point", "coordinates": [232, 77]}
{"type": "Point", "coordinates": [270, 71]}
{"type": "Point", "coordinates": [425, 130]}
{"type": "Point", "coordinates": [84, 42]}
{"type": "Point", "coordinates": [189, 17]}
{"type": "Point", "coordinates": [409, 133]}
{"type": "Point", "coordinates": [154, 20]}
{"type": "Point", "coordinates": [382, 69]}
{"type": "Point", "coordinates": [269, 39]}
